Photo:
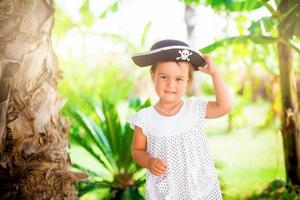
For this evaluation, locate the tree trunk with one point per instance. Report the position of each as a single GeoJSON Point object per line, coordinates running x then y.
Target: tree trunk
{"type": "Point", "coordinates": [289, 119]}
{"type": "Point", "coordinates": [189, 18]}
{"type": "Point", "coordinates": [34, 163]}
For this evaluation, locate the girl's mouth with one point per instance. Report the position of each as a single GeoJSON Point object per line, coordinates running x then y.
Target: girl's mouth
{"type": "Point", "coordinates": [169, 92]}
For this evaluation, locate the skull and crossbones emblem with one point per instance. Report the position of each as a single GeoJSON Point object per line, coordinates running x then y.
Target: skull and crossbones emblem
{"type": "Point", "coordinates": [184, 55]}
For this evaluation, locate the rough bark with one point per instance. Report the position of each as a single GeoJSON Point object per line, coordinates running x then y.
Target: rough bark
{"type": "Point", "coordinates": [34, 163]}
{"type": "Point", "coordinates": [289, 119]}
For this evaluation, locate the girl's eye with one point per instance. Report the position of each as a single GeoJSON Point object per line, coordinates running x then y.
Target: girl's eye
{"type": "Point", "coordinates": [179, 79]}
{"type": "Point", "coordinates": [163, 77]}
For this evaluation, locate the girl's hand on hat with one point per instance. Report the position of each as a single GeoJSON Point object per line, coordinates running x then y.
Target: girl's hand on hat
{"type": "Point", "coordinates": [210, 68]}
{"type": "Point", "coordinates": [157, 166]}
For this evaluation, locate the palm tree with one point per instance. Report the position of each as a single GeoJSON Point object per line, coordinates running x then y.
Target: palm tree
{"type": "Point", "coordinates": [34, 163]}
{"type": "Point", "coordinates": [290, 125]}
{"type": "Point", "coordinates": [108, 141]}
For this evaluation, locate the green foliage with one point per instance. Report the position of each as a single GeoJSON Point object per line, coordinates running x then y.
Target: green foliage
{"type": "Point", "coordinates": [234, 5]}
{"type": "Point", "coordinates": [80, 83]}
{"type": "Point", "coordinates": [278, 190]}
{"type": "Point", "coordinates": [289, 19]}
{"type": "Point", "coordinates": [285, 20]}
{"type": "Point", "coordinates": [264, 26]}
{"type": "Point", "coordinates": [145, 33]}
{"type": "Point", "coordinates": [114, 7]}
{"type": "Point", "coordinates": [108, 141]}
{"type": "Point", "coordinates": [231, 5]}
{"type": "Point", "coordinates": [86, 15]}
{"type": "Point", "coordinates": [267, 31]}
{"type": "Point", "coordinates": [249, 72]}
{"type": "Point", "coordinates": [64, 23]}
{"type": "Point", "coordinates": [259, 39]}
{"type": "Point", "coordinates": [190, 2]}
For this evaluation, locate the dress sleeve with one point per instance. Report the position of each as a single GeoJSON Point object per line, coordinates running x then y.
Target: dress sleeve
{"type": "Point", "coordinates": [139, 119]}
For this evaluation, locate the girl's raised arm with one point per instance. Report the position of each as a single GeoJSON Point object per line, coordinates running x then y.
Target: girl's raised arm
{"type": "Point", "coordinates": [223, 103]}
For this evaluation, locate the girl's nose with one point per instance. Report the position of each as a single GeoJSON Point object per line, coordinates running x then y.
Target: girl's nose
{"type": "Point", "coordinates": [171, 83]}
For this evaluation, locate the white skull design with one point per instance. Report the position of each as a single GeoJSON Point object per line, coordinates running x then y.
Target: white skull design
{"type": "Point", "coordinates": [184, 55]}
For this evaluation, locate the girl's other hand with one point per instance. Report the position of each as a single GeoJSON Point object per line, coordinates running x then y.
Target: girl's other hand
{"type": "Point", "coordinates": [210, 68]}
{"type": "Point", "coordinates": [157, 166]}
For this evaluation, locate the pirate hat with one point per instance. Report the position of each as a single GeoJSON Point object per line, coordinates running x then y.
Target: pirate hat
{"type": "Point", "coordinates": [170, 50]}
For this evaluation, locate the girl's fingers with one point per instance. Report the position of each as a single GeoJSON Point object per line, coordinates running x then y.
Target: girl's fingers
{"type": "Point", "coordinates": [202, 69]}
{"type": "Point", "coordinates": [160, 168]}
{"type": "Point", "coordinates": [157, 173]}
{"type": "Point", "coordinates": [206, 57]}
{"type": "Point", "coordinates": [163, 163]}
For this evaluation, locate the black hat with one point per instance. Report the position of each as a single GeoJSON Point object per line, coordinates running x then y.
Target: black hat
{"type": "Point", "coordinates": [170, 50]}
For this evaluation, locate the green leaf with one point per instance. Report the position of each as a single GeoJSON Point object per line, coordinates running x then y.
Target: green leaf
{"type": "Point", "coordinates": [63, 23]}
{"type": "Point", "coordinates": [131, 193]}
{"type": "Point", "coordinates": [80, 140]}
{"type": "Point", "coordinates": [125, 148]}
{"type": "Point", "coordinates": [134, 102]}
{"type": "Point", "coordinates": [99, 132]}
{"type": "Point", "coordinates": [234, 5]}
{"type": "Point", "coordinates": [85, 123]}
{"type": "Point", "coordinates": [114, 7]}
{"type": "Point", "coordinates": [86, 15]}
{"type": "Point", "coordinates": [239, 39]}
{"type": "Point", "coordinates": [263, 26]}
{"type": "Point", "coordinates": [82, 169]}
{"type": "Point", "coordinates": [86, 186]}
{"type": "Point", "coordinates": [259, 39]}
{"type": "Point", "coordinates": [289, 19]}
{"type": "Point", "coordinates": [145, 33]}
{"type": "Point", "coordinates": [191, 2]}
{"type": "Point", "coordinates": [112, 123]}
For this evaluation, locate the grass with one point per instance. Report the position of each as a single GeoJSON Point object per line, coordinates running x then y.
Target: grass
{"type": "Point", "coordinates": [247, 163]}
{"type": "Point", "coordinates": [248, 158]}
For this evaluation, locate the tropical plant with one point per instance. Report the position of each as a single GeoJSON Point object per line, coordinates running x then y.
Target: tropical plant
{"type": "Point", "coordinates": [108, 140]}
{"type": "Point", "coordinates": [281, 30]}
{"type": "Point", "coordinates": [34, 163]}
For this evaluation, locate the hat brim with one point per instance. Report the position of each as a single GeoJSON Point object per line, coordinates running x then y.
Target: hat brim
{"type": "Point", "coordinates": [170, 53]}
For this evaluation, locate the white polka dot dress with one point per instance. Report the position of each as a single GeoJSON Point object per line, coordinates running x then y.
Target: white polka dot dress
{"type": "Point", "coordinates": [179, 140]}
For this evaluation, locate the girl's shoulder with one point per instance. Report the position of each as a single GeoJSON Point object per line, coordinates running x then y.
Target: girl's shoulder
{"type": "Point", "coordinates": [195, 102]}
{"type": "Point", "coordinates": [142, 114]}
{"type": "Point", "coordinates": [140, 119]}
{"type": "Point", "coordinates": [196, 105]}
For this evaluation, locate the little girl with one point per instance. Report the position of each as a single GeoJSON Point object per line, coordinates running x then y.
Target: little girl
{"type": "Point", "coordinates": [169, 139]}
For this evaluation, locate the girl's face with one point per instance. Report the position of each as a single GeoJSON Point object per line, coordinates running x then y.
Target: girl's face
{"type": "Point", "coordinates": [170, 80]}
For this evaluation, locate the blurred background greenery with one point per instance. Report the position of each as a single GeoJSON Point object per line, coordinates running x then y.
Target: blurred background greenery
{"type": "Point", "coordinates": [94, 40]}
